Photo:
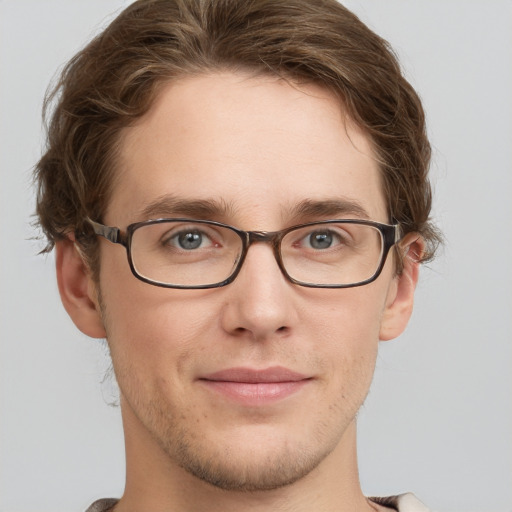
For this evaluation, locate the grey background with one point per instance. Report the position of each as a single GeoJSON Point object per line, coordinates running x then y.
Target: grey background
{"type": "Point", "coordinates": [438, 420]}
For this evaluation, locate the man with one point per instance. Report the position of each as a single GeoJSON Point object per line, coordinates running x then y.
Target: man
{"type": "Point", "coordinates": [238, 196]}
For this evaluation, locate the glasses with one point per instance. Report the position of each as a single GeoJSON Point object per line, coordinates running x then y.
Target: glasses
{"type": "Point", "coordinates": [190, 254]}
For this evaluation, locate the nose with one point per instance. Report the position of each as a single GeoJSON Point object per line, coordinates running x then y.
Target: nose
{"type": "Point", "coordinates": [260, 302]}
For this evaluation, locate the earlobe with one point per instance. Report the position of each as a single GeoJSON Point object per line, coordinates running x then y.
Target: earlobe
{"type": "Point", "coordinates": [77, 289]}
{"type": "Point", "coordinates": [399, 308]}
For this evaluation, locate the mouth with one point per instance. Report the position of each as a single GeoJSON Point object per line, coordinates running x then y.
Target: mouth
{"type": "Point", "coordinates": [252, 387]}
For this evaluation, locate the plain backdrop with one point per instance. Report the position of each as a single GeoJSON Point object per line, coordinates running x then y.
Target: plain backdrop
{"type": "Point", "coordinates": [438, 420]}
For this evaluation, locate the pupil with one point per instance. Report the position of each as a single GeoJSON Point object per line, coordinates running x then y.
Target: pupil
{"type": "Point", "coordinates": [190, 240]}
{"type": "Point", "coordinates": [320, 240]}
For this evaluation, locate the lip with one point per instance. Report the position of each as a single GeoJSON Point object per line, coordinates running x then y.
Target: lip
{"type": "Point", "coordinates": [252, 387]}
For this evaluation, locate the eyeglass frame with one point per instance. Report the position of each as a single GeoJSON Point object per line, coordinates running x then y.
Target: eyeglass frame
{"type": "Point", "coordinates": [391, 235]}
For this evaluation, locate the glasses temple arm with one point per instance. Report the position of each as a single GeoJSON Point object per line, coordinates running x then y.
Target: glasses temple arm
{"type": "Point", "coordinates": [111, 234]}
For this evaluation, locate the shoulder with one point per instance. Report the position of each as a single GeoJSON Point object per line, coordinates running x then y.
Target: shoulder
{"type": "Point", "coordinates": [402, 503]}
{"type": "Point", "coordinates": [102, 505]}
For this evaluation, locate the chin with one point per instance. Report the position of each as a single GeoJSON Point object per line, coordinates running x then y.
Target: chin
{"type": "Point", "coordinates": [250, 458]}
{"type": "Point", "coordinates": [253, 471]}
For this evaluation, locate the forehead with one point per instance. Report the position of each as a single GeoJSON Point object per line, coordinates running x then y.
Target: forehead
{"type": "Point", "coordinates": [257, 145]}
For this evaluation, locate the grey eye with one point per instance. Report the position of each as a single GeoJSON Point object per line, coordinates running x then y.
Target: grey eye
{"type": "Point", "coordinates": [321, 239]}
{"type": "Point", "coordinates": [189, 240]}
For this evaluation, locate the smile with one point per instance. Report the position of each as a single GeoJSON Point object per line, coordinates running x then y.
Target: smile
{"type": "Point", "coordinates": [255, 387]}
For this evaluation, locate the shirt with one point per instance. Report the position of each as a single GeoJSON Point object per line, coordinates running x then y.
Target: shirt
{"type": "Point", "coordinates": [401, 503]}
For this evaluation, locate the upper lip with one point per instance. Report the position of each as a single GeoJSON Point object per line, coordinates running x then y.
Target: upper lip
{"type": "Point", "coordinates": [250, 375]}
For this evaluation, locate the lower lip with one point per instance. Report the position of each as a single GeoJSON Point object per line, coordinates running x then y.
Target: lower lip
{"type": "Point", "coordinates": [259, 393]}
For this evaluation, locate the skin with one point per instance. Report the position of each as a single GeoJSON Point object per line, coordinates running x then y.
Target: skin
{"type": "Point", "coordinates": [259, 146]}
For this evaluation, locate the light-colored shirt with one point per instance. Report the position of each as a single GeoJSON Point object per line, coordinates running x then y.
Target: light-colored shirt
{"type": "Point", "coordinates": [401, 503]}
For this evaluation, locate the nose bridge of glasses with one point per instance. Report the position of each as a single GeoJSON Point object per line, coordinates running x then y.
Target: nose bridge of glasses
{"type": "Point", "coordinates": [268, 237]}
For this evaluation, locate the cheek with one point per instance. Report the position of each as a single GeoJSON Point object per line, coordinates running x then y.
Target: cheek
{"type": "Point", "coordinates": [152, 330]}
{"type": "Point", "coordinates": [349, 317]}
{"type": "Point", "coordinates": [350, 372]}
{"type": "Point", "coordinates": [348, 335]}
{"type": "Point", "coordinates": [155, 346]}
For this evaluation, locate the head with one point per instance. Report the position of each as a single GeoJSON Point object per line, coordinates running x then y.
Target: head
{"type": "Point", "coordinates": [250, 109]}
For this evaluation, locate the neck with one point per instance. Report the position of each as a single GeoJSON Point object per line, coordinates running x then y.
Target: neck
{"type": "Point", "coordinates": [154, 482]}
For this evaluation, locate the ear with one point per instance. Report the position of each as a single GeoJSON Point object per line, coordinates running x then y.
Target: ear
{"type": "Point", "coordinates": [77, 289]}
{"type": "Point", "coordinates": [400, 299]}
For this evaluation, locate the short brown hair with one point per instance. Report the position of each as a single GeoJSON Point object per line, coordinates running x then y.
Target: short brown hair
{"type": "Point", "coordinates": [114, 79]}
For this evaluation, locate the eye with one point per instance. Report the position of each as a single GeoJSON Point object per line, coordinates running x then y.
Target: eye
{"type": "Point", "coordinates": [321, 239]}
{"type": "Point", "coordinates": [189, 240]}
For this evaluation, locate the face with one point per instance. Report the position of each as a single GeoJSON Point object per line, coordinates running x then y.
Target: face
{"type": "Point", "coordinates": [250, 386]}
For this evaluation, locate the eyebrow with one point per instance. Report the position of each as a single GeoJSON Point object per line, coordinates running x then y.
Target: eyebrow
{"type": "Point", "coordinates": [169, 206]}
{"type": "Point", "coordinates": [333, 208]}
